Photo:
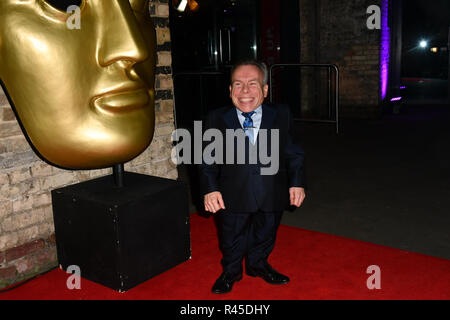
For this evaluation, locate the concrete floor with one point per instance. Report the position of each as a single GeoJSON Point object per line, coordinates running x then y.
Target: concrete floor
{"type": "Point", "coordinates": [382, 181]}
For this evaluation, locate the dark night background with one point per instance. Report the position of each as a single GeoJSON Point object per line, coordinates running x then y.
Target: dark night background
{"type": "Point", "coordinates": [427, 20]}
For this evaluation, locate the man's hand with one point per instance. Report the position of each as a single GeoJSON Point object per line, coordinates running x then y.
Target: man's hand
{"type": "Point", "coordinates": [296, 195]}
{"type": "Point", "coordinates": [214, 202]}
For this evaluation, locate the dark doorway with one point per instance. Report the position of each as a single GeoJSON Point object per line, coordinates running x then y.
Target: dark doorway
{"type": "Point", "coordinates": [207, 42]}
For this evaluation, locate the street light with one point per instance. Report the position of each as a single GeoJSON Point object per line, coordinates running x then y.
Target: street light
{"type": "Point", "coordinates": [423, 44]}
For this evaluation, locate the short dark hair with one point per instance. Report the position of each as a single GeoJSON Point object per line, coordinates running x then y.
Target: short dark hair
{"type": "Point", "coordinates": [251, 62]}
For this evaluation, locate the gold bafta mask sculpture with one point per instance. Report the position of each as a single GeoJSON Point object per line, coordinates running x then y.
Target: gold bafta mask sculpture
{"type": "Point", "coordinates": [85, 97]}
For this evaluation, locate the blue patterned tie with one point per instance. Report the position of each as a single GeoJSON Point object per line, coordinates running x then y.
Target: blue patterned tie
{"type": "Point", "coordinates": [248, 124]}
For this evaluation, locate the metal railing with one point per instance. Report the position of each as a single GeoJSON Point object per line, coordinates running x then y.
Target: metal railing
{"type": "Point", "coordinates": [330, 94]}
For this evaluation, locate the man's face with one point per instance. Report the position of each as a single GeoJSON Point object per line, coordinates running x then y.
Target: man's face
{"type": "Point", "coordinates": [247, 90]}
{"type": "Point", "coordinates": [84, 96]}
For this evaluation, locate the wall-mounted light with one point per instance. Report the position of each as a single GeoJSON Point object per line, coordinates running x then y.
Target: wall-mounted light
{"type": "Point", "coordinates": [434, 49]}
{"type": "Point", "coordinates": [193, 5]}
{"type": "Point", "coordinates": [181, 6]}
{"type": "Point", "coordinates": [385, 48]}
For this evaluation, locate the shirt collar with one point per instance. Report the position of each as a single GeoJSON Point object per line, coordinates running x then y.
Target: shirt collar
{"type": "Point", "coordinates": [257, 110]}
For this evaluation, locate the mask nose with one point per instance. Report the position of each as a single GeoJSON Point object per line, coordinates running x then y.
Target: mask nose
{"type": "Point", "coordinates": [119, 36]}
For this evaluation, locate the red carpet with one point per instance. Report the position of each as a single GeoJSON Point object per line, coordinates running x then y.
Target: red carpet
{"type": "Point", "coordinates": [320, 266]}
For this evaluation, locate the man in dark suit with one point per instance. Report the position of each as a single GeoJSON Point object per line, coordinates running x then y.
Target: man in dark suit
{"type": "Point", "coordinates": [249, 200]}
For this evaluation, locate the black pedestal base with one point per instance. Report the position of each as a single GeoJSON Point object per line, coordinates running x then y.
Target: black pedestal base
{"type": "Point", "coordinates": [121, 237]}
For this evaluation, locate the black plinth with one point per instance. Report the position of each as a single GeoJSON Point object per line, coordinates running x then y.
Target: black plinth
{"type": "Point", "coordinates": [121, 237]}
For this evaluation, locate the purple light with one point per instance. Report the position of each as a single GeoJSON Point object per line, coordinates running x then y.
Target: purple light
{"type": "Point", "coordinates": [396, 99]}
{"type": "Point", "coordinates": [385, 48]}
{"type": "Point", "coordinates": [402, 87]}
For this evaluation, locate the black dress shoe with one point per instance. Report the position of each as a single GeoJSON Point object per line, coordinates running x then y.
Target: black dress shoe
{"type": "Point", "coordinates": [268, 274]}
{"type": "Point", "coordinates": [225, 282]}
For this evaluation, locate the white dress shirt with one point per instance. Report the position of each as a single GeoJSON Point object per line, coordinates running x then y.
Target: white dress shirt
{"type": "Point", "coordinates": [257, 116]}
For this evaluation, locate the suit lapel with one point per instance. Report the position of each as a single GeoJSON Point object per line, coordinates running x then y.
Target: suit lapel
{"type": "Point", "coordinates": [268, 116]}
{"type": "Point", "coordinates": [231, 119]}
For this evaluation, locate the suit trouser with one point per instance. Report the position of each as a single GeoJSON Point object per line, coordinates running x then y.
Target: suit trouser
{"type": "Point", "coordinates": [247, 235]}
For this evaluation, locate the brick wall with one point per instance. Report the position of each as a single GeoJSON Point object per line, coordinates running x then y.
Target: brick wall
{"type": "Point", "coordinates": [336, 32]}
{"type": "Point", "coordinates": [27, 241]}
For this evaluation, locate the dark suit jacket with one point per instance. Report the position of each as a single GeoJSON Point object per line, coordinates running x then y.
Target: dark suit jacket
{"type": "Point", "coordinates": [242, 186]}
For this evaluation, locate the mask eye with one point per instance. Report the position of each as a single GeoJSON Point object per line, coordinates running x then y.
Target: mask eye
{"type": "Point", "coordinates": [63, 4]}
